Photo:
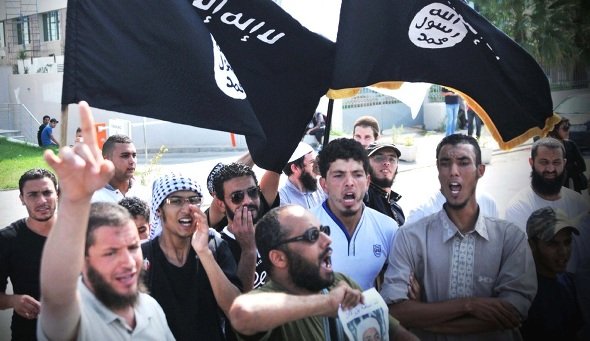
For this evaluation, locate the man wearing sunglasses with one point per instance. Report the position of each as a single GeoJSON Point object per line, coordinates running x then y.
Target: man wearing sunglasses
{"type": "Point", "coordinates": [269, 190]}
{"type": "Point", "coordinates": [383, 159]}
{"type": "Point", "coordinates": [363, 237]}
{"type": "Point", "coordinates": [303, 295]}
{"type": "Point", "coordinates": [237, 192]}
{"type": "Point", "coordinates": [191, 288]}
{"type": "Point", "coordinates": [301, 187]}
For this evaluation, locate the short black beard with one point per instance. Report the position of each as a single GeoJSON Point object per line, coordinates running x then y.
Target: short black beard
{"type": "Point", "coordinates": [306, 275]}
{"type": "Point", "coordinates": [105, 293]}
{"type": "Point", "coordinates": [308, 182]}
{"type": "Point", "coordinates": [381, 183]}
{"type": "Point", "coordinates": [231, 214]}
{"type": "Point", "coordinates": [544, 186]}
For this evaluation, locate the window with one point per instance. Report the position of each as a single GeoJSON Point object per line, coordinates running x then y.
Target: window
{"type": "Point", "coordinates": [23, 31]}
{"type": "Point", "coordinates": [50, 26]}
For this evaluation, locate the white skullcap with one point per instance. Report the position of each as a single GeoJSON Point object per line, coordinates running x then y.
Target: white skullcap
{"type": "Point", "coordinates": [302, 149]}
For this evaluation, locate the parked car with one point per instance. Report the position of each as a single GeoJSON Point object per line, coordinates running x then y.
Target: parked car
{"type": "Point", "coordinates": [576, 108]}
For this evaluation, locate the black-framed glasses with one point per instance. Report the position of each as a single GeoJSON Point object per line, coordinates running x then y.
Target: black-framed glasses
{"type": "Point", "coordinates": [565, 127]}
{"type": "Point", "coordinates": [310, 236]}
{"type": "Point", "coordinates": [382, 158]}
{"type": "Point", "coordinates": [238, 196]}
{"type": "Point", "coordinates": [180, 201]}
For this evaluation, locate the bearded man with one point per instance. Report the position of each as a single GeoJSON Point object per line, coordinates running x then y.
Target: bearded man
{"type": "Point", "coordinates": [301, 187]}
{"type": "Point", "coordinates": [303, 295]}
{"type": "Point", "coordinates": [102, 244]}
{"type": "Point", "coordinates": [238, 193]}
{"type": "Point", "coordinates": [383, 160]}
{"type": "Point", "coordinates": [547, 178]}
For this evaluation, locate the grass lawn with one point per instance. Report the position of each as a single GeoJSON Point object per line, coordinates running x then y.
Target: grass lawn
{"type": "Point", "coordinates": [15, 159]}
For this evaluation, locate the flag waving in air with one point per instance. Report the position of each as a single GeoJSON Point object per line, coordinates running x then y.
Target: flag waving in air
{"type": "Point", "coordinates": [384, 42]}
{"type": "Point", "coordinates": [232, 65]}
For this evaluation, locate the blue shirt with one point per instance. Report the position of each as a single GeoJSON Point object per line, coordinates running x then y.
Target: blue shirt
{"type": "Point", "coordinates": [46, 136]}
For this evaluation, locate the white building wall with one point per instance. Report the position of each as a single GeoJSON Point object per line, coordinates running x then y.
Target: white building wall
{"type": "Point", "coordinates": [41, 94]}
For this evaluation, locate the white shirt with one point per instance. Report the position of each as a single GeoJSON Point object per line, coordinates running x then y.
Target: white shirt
{"type": "Point", "coordinates": [362, 255]}
{"type": "Point", "coordinates": [527, 201]}
{"type": "Point", "coordinates": [110, 194]}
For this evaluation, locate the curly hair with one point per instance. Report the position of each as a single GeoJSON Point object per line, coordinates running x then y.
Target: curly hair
{"type": "Point", "coordinates": [136, 207]}
{"type": "Point", "coordinates": [342, 149]}
{"type": "Point", "coordinates": [228, 172]}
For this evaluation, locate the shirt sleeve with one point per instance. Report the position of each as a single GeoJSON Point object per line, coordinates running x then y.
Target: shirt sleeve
{"type": "Point", "coordinates": [395, 283]}
{"type": "Point", "coordinates": [517, 279]}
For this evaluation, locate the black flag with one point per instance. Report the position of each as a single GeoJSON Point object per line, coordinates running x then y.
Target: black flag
{"type": "Point", "coordinates": [382, 42]}
{"type": "Point", "coordinates": [161, 59]}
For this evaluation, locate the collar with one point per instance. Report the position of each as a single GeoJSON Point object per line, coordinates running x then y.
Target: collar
{"type": "Point", "coordinates": [111, 188]}
{"type": "Point", "coordinates": [451, 230]}
{"type": "Point", "coordinates": [105, 314]}
{"type": "Point", "coordinates": [228, 233]}
{"type": "Point", "coordinates": [387, 195]}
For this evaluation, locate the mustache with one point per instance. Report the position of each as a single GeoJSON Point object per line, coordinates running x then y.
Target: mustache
{"type": "Point", "coordinates": [251, 207]}
{"type": "Point", "coordinates": [325, 253]}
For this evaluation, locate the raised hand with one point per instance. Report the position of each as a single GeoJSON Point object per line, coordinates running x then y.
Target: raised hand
{"type": "Point", "coordinates": [81, 170]}
{"type": "Point", "coordinates": [200, 239]}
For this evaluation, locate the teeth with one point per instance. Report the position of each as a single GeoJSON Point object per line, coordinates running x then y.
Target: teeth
{"type": "Point", "coordinates": [184, 221]}
{"type": "Point", "coordinates": [454, 187]}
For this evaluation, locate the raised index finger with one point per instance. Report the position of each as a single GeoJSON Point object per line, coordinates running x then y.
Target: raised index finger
{"type": "Point", "coordinates": [88, 130]}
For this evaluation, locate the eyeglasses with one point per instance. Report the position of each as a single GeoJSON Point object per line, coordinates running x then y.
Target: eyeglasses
{"type": "Point", "coordinates": [565, 127]}
{"type": "Point", "coordinates": [382, 158]}
{"type": "Point", "coordinates": [238, 196]}
{"type": "Point", "coordinates": [310, 236]}
{"type": "Point", "coordinates": [180, 201]}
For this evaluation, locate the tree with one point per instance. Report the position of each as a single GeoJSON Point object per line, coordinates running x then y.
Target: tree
{"type": "Point", "coordinates": [555, 32]}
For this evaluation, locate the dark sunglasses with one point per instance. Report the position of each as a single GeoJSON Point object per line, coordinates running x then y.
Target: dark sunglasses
{"type": "Point", "coordinates": [238, 196]}
{"type": "Point", "coordinates": [310, 236]}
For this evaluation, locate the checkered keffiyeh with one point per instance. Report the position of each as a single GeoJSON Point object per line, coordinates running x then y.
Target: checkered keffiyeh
{"type": "Point", "coordinates": [211, 177]}
{"type": "Point", "coordinates": [162, 188]}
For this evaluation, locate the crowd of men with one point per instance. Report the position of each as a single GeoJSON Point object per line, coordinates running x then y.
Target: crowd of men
{"type": "Point", "coordinates": [121, 261]}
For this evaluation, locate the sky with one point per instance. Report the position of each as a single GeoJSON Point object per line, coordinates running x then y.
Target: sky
{"type": "Point", "coordinates": [320, 16]}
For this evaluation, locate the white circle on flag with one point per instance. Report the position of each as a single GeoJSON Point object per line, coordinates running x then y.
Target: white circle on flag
{"type": "Point", "coordinates": [226, 79]}
{"type": "Point", "coordinates": [437, 26]}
